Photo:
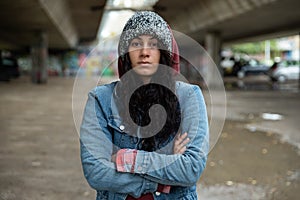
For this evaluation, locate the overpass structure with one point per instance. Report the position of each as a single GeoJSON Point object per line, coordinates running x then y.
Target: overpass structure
{"type": "Point", "coordinates": [215, 23]}
{"type": "Point", "coordinates": [64, 24]}
{"type": "Point", "coordinates": [37, 25]}
{"type": "Point", "coordinates": [234, 20]}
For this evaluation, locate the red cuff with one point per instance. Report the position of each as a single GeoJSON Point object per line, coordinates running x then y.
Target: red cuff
{"type": "Point", "coordinates": [125, 160]}
{"type": "Point", "coordinates": [163, 188]}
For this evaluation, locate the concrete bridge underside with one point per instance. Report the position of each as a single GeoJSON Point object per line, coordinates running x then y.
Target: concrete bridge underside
{"type": "Point", "coordinates": [65, 22]}
{"type": "Point", "coordinates": [40, 25]}
{"type": "Point", "coordinates": [234, 20]}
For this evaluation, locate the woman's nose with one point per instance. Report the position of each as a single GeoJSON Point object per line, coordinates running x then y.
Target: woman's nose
{"type": "Point", "coordinates": [145, 51]}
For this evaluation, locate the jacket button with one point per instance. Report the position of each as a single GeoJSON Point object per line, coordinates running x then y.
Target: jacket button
{"type": "Point", "coordinates": [157, 193]}
{"type": "Point", "coordinates": [122, 127]}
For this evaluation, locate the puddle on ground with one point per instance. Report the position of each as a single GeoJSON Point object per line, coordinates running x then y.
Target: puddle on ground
{"type": "Point", "coordinates": [243, 165]}
{"type": "Point", "coordinates": [271, 116]}
{"type": "Point", "coordinates": [260, 116]}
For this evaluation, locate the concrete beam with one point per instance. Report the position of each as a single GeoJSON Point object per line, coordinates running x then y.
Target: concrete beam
{"type": "Point", "coordinates": [284, 32]}
{"type": "Point", "coordinates": [207, 13]}
{"type": "Point", "coordinates": [60, 14]}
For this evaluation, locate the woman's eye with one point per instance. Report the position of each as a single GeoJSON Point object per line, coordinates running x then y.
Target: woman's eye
{"type": "Point", "coordinates": [136, 44]}
{"type": "Point", "coordinates": [154, 45]}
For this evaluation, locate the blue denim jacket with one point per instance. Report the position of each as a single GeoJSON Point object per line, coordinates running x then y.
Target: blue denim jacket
{"type": "Point", "coordinates": [102, 134]}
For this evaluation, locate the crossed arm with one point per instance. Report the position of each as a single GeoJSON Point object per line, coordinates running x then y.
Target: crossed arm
{"type": "Point", "coordinates": [177, 169]}
{"type": "Point", "coordinates": [182, 168]}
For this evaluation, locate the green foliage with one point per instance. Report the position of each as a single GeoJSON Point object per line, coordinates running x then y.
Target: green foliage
{"type": "Point", "coordinates": [254, 47]}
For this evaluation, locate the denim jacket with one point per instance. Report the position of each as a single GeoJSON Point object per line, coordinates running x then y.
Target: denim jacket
{"type": "Point", "coordinates": [102, 134]}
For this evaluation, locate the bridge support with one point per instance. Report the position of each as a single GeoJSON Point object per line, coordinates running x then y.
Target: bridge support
{"type": "Point", "coordinates": [213, 47]}
{"type": "Point", "coordinates": [39, 57]}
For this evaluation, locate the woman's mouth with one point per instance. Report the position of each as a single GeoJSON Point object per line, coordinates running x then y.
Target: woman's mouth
{"type": "Point", "coordinates": [143, 62]}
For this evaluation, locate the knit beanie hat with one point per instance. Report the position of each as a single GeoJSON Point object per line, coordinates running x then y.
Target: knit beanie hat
{"type": "Point", "coordinates": [147, 23]}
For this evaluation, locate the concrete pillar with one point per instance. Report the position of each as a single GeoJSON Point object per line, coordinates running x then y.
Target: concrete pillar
{"type": "Point", "coordinates": [213, 47]}
{"type": "Point", "coordinates": [39, 57]}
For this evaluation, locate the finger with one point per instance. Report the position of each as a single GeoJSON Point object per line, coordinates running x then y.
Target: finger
{"type": "Point", "coordinates": [177, 136]}
{"type": "Point", "coordinates": [182, 150]}
{"type": "Point", "coordinates": [180, 137]}
{"type": "Point", "coordinates": [180, 143]}
{"type": "Point", "coordinates": [176, 149]}
{"type": "Point", "coordinates": [185, 142]}
{"type": "Point", "coordinates": [183, 136]}
{"type": "Point", "coordinates": [177, 141]}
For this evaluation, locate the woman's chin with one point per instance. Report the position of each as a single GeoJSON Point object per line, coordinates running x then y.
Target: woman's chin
{"type": "Point", "coordinates": [141, 71]}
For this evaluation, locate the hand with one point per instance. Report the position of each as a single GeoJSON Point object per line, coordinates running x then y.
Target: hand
{"type": "Point", "coordinates": [180, 143]}
{"type": "Point", "coordinates": [113, 158]}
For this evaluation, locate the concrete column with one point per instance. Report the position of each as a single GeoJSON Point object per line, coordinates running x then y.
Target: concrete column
{"type": "Point", "coordinates": [213, 47]}
{"type": "Point", "coordinates": [39, 57]}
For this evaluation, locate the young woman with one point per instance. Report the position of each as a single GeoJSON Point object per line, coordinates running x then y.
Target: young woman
{"type": "Point", "coordinates": [130, 148]}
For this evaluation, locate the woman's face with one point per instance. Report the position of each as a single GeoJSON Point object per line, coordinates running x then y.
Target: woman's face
{"type": "Point", "coordinates": [144, 55]}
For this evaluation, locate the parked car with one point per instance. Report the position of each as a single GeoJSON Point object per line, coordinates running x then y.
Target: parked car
{"type": "Point", "coordinates": [227, 64]}
{"type": "Point", "coordinates": [9, 67]}
{"type": "Point", "coordinates": [284, 71]}
{"type": "Point", "coordinates": [241, 65]}
{"type": "Point", "coordinates": [253, 67]}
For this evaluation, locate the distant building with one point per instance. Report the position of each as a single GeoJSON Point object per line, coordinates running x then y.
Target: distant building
{"type": "Point", "coordinates": [289, 46]}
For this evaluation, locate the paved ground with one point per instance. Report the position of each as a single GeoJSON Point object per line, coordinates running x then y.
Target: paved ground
{"type": "Point", "coordinates": [255, 158]}
{"type": "Point", "coordinates": [257, 155]}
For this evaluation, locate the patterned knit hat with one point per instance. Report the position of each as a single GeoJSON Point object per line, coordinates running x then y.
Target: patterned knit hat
{"type": "Point", "coordinates": [145, 23]}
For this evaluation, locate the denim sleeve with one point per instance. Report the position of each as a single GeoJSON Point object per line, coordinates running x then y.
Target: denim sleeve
{"type": "Point", "coordinates": [185, 169]}
{"type": "Point", "coordinates": [96, 150]}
